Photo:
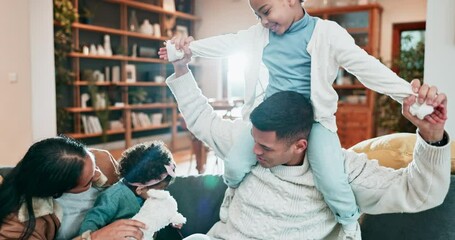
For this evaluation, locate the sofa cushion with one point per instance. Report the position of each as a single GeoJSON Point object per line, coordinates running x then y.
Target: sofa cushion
{"type": "Point", "coordinates": [199, 199]}
{"type": "Point", "coordinates": [394, 150]}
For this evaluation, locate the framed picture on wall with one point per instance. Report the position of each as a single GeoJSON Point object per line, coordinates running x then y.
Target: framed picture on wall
{"type": "Point", "coordinates": [130, 73]}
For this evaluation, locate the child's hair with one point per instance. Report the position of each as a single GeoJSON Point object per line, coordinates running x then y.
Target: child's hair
{"type": "Point", "coordinates": [144, 162]}
{"type": "Point", "coordinates": [49, 168]}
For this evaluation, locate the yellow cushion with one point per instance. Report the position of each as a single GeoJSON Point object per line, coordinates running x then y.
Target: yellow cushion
{"type": "Point", "coordinates": [393, 150]}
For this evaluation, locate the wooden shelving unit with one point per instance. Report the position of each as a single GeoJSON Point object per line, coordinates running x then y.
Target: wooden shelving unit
{"type": "Point", "coordinates": [114, 20]}
{"type": "Point", "coordinates": [356, 103]}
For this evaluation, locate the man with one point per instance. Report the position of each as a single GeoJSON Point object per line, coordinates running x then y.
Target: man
{"type": "Point", "coordinates": [278, 199]}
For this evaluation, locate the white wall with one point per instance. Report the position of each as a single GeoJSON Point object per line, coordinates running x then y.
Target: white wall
{"type": "Point", "coordinates": [27, 50]}
{"type": "Point", "coordinates": [440, 52]}
{"type": "Point", "coordinates": [44, 119]}
{"type": "Point", "coordinates": [15, 98]}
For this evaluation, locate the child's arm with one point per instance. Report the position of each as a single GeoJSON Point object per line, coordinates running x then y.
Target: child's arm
{"type": "Point", "coordinates": [220, 46]}
{"type": "Point", "coordinates": [369, 70]}
{"type": "Point", "coordinates": [100, 215]}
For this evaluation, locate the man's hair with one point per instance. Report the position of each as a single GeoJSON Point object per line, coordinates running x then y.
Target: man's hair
{"type": "Point", "coordinates": [287, 113]}
{"type": "Point", "coordinates": [144, 162]}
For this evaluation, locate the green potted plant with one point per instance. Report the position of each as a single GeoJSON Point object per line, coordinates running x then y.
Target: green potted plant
{"type": "Point", "coordinates": [64, 15]}
{"type": "Point", "coordinates": [410, 65]}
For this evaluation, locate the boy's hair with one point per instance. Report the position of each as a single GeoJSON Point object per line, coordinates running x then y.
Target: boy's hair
{"type": "Point", "coordinates": [144, 162]}
{"type": "Point", "coordinates": [287, 113]}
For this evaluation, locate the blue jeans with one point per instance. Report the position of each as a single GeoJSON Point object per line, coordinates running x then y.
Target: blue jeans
{"type": "Point", "coordinates": [240, 159]}
{"type": "Point", "coordinates": [327, 163]}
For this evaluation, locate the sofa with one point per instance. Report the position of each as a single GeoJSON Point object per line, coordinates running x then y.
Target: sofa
{"type": "Point", "coordinates": [199, 198]}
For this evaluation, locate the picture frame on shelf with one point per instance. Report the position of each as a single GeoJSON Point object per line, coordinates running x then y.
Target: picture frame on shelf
{"type": "Point", "coordinates": [130, 73]}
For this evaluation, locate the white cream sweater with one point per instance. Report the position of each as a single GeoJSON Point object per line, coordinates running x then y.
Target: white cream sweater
{"type": "Point", "coordinates": [283, 203]}
{"type": "Point", "coordinates": [330, 47]}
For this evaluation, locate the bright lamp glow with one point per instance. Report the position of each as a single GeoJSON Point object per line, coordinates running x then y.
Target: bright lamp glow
{"type": "Point", "coordinates": [235, 75]}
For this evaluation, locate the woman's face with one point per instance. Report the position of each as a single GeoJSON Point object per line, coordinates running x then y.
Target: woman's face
{"type": "Point", "coordinates": [88, 175]}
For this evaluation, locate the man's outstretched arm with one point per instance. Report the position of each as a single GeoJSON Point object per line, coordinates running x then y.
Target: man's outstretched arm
{"type": "Point", "coordinates": [424, 183]}
{"type": "Point", "coordinates": [199, 116]}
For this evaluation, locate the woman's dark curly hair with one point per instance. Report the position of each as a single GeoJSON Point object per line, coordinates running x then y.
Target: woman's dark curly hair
{"type": "Point", "coordinates": [144, 162]}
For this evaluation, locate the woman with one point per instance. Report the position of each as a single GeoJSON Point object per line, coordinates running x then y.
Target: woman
{"type": "Point", "coordinates": [50, 168]}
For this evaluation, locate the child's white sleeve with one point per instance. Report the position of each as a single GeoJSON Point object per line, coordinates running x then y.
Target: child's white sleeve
{"type": "Point", "coordinates": [369, 70]}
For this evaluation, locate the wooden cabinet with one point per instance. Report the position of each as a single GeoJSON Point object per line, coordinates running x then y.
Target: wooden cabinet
{"type": "Point", "coordinates": [356, 103]}
{"type": "Point", "coordinates": [129, 83]}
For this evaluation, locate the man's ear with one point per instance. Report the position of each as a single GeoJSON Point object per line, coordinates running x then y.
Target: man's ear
{"type": "Point", "coordinates": [301, 145]}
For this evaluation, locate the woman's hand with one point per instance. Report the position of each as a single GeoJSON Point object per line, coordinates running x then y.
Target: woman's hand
{"type": "Point", "coordinates": [120, 229]}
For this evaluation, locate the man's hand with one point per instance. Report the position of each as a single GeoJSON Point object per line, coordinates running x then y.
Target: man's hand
{"type": "Point", "coordinates": [120, 229]}
{"type": "Point", "coordinates": [431, 128]}
{"type": "Point", "coordinates": [181, 43]}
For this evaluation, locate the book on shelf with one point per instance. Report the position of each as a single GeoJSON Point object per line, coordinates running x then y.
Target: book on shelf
{"type": "Point", "coordinates": [91, 124]}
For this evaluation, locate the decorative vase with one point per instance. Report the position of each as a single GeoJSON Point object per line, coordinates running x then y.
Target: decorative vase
{"type": "Point", "coordinates": [107, 45]}
{"type": "Point", "coordinates": [133, 23]}
{"type": "Point", "coordinates": [146, 27]}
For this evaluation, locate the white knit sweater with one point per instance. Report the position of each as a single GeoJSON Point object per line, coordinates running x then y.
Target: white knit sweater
{"type": "Point", "coordinates": [283, 203]}
{"type": "Point", "coordinates": [330, 47]}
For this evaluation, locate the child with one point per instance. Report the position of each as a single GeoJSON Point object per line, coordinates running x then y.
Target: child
{"type": "Point", "coordinates": [142, 167]}
{"type": "Point", "coordinates": [303, 54]}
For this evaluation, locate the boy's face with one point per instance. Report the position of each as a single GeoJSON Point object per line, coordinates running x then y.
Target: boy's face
{"type": "Point", "coordinates": [276, 15]}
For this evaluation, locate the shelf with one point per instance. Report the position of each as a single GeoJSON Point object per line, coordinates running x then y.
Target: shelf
{"type": "Point", "coordinates": [114, 21]}
{"type": "Point", "coordinates": [90, 109]}
{"type": "Point", "coordinates": [151, 106]}
{"type": "Point", "coordinates": [349, 86]}
{"type": "Point", "coordinates": [121, 84]}
{"type": "Point", "coordinates": [89, 135]}
{"type": "Point", "coordinates": [93, 28]}
{"type": "Point", "coordinates": [356, 105]}
{"type": "Point", "coordinates": [153, 8]}
{"type": "Point", "coordinates": [85, 83]}
{"type": "Point", "coordinates": [343, 9]}
{"type": "Point", "coordinates": [358, 30]}
{"type": "Point", "coordinates": [152, 127]}
{"type": "Point", "coordinates": [118, 58]}
{"type": "Point", "coordinates": [140, 84]}
{"type": "Point", "coordinates": [127, 107]}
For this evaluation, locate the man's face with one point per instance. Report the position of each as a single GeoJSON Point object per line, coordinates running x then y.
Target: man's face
{"type": "Point", "coordinates": [271, 152]}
